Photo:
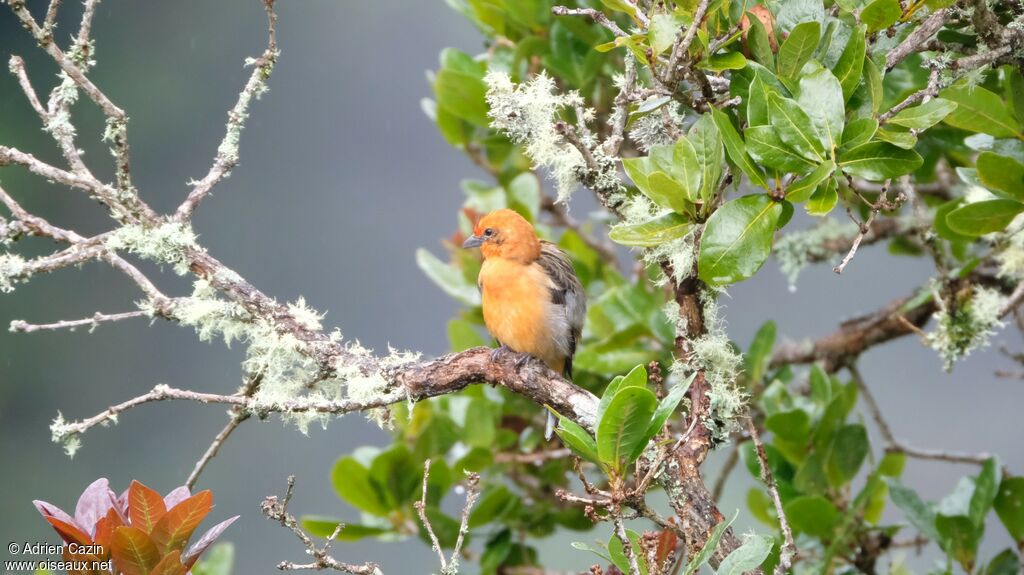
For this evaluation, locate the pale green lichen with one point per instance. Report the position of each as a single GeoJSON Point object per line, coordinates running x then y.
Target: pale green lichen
{"type": "Point", "coordinates": [213, 316]}
{"type": "Point", "coordinates": [651, 129]}
{"type": "Point", "coordinates": [63, 433]}
{"type": "Point", "coordinates": [967, 326]}
{"type": "Point", "coordinates": [527, 113]}
{"type": "Point", "coordinates": [713, 354]}
{"type": "Point", "coordinates": [166, 243]}
{"type": "Point", "coordinates": [12, 270]}
{"type": "Point", "coordinates": [795, 250]}
{"type": "Point", "coordinates": [1011, 258]}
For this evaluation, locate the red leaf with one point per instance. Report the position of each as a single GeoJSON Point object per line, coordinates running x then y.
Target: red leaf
{"type": "Point", "coordinates": [667, 541]}
{"type": "Point", "coordinates": [174, 528]}
{"type": "Point", "coordinates": [176, 496]}
{"type": "Point", "coordinates": [48, 510]}
{"type": "Point", "coordinates": [169, 565]}
{"type": "Point", "coordinates": [206, 540]}
{"type": "Point", "coordinates": [145, 506]}
{"type": "Point", "coordinates": [105, 531]}
{"type": "Point", "coordinates": [69, 533]}
{"type": "Point", "coordinates": [93, 504]}
{"type": "Point", "coordinates": [69, 558]}
{"type": "Point", "coordinates": [134, 553]}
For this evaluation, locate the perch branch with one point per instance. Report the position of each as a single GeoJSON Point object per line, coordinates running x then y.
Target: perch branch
{"type": "Point", "coordinates": [788, 550]}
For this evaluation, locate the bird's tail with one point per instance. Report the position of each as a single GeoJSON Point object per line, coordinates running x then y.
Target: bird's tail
{"type": "Point", "coordinates": [549, 427]}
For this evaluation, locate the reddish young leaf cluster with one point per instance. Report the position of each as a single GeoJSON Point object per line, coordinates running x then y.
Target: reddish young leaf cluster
{"type": "Point", "coordinates": [141, 531]}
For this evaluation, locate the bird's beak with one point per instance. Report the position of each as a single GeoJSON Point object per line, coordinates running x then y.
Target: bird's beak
{"type": "Point", "coordinates": [473, 242]}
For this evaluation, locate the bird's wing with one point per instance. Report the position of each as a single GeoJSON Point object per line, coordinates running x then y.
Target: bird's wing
{"type": "Point", "coordinates": [566, 294]}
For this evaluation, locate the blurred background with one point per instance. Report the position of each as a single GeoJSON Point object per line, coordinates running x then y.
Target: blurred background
{"type": "Point", "coordinates": [342, 177]}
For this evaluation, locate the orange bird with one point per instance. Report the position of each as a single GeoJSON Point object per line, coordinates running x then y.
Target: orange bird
{"type": "Point", "coordinates": [532, 300]}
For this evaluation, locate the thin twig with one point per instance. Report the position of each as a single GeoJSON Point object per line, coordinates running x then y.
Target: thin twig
{"type": "Point", "coordinates": [277, 510]}
{"type": "Point", "coordinates": [788, 551]}
{"type": "Point", "coordinates": [448, 566]}
{"type": "Point", "coordinates": [20, 326]}
{"type": "Point", "coordinates": [421, 509]}
{"type": "Point", "coordinates": [597, 15]}
{"type": "Point", "coordinates": [627, 545]}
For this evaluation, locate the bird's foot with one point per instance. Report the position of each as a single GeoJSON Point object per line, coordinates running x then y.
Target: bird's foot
{"type": "Point", "coordinates": [499, 351]}
{"type": "Point", "coordinates": [522, 359]}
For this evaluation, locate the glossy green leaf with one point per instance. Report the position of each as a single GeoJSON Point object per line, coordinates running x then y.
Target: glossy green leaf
{"type": "Point", "coordinates": [746, 557]}
{"type": "Point", "coordinates": [798, 48]}
{"type": "Point", "coordinates": [738, 239]}
{"type": "Point", "coordinates": [637, 170]}
{"type": "Point", "coordinates": [736, 149]}
{"type": "Point", "coordinates": [920, 514]}
{"type": "Point", "coordinates": [667, 407]}
{"type": "Point", "coordinates": [654, 232]}
{"type": "Point", "coordinates": [1009, 505]}
{"type": "Point", "coordinates": [959, 538]}
{"type": "Point", "coordinates": [757, 103]}
{"type": "Point", "coordinates": [724, 61]}
{"type": "Point", "coordinates": [758, 356]}
{"type": "Point", "coordinates": [813, 515]}
{"type": "Point", "coordinates": [622, 429]}
{"type": "Point", "coordinates": [873, 79]}
{"type": "Point", "coordinates": [495, 503]}
{"type": "Point", "coordinates": [577, 439]}
{"type": "Point", "coordinates": [686, 168]}
{"type": "Point", "coordinates": [324, 526]}
{"type": "Point", "coordinates": [1002, 174]}
{"type": "Point", "coordinates": [462, 95]}
{"type": "Point", "coordinates": [823, 199]}
{"type": "Point", "coordinates": [821, 97]}
{"type": "Point", "coordinates": [881, 14]}
{"type": "Point", "coordinates": [666, 192]}
{"type": "Point", "coordinates": [924, 116]}
{"type": "Point", "coordinates": [710, 154]}
{"type": "Point", "coordinates": [879, 161]}
{"type": "Point", "coordinates": [979, 110]}
{"type": "Point", "coordinates": [793, 425]}
{"type": "Point", "coordinates": [859, 132]}
{"type": "Point", "coordinates": [708, 550]}
{"type": "Point", "coordinates": [766, 148]}
{"type": "Point", "coordinates": [1005, 563]}
{"type": "Point", "coordinates": [617, 553]}
{"type": "Point", "coordinates": [848, 451]}
{"type": "Point", "coordinates": [802, 189]}
{"type": "Point", "coordinates": [986, 487]}
{"type": "Point", "coordinates": [794, 127]}
{"type": "Point", "coordinates": [900, 139]}
{"type": "Point", "coordinates": [758, 43]}
{"type": "Point", "coordinates": [662, 32]}
{"type": "Point", "coordinates": [448, 278]}
{"type": "Point", "coordinates": [849, 68]}
{"type": "Point", "coordinates": [462, 335]}
{"type": "Point", "coordinates": [352, 483]}
{"type": "Point", "coordinates": [983, 217]}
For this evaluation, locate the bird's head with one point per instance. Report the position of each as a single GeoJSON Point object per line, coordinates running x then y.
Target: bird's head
{"type": "Point", "coordinates": [505, 234]}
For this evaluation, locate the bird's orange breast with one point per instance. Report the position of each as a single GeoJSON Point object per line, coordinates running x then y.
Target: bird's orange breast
{"type": "Point", "coordinates": [516, 305]}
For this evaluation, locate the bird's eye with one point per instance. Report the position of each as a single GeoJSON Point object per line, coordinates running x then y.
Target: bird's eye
{"type": "Point", "coordinates": [489, 232]}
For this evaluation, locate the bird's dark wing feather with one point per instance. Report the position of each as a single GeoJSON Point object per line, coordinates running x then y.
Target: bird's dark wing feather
{"type": "Point", "coordinates": [567, 294]}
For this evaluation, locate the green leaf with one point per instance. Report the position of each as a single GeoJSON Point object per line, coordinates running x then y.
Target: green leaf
{"type": "Point", "coordinates": [823, 199]}
{"type": "Point", "coordinates": [798, 48]}
{"type": "Point", "coordinates": [793, 425]}
{"type": "Point", "coordinates": [623, 426]}
{"type": "Point", "coordinates": [766, 148]}
{"type": "Point", "coordinates": [724, 61]}
{"type": "Point", "coordinates": [983, 217]}
{"type": "Point", "coordinates": [924, 116]}
{"type": "Point", "coordinates": [462, 95]}
{"type": "Point", "coordinates": [667, 407]}
{"type": "Point", "coordinates": [749, 556]}
{"type": "Point", "coordinates": [875, 89]}
{"type": "Point", "coordinates": [847, 454]}
{"type": "Point", "coordinates": [758, 356]}
{"type": "Point", "coordinates": [757, 103]}
{"type": "Point", "coordinates": [666, 192]}
{"type": "Point", "coordinates": [986, 487]}
{"type": "Point", "coordinates": [822, 97]}
{"type": "Point", "coordinates": [524, 194]}
{"type": "Point", "coordinates": [794, 127]}
{"type": "Point", "coordinates": [959, 539]}
{"type": "Point", "coordinates": [1002, 174]}
{"type": "Point", "coordinates": [577, 439]}
{"type": "Point", "coordinates": [654, 232]}
{"type": "Point", "coordinates": [448, 278]}
{"type": "Point", "coordinates": [620, 6]}
{"type": "Point", "coordinates": [320, 526]}
{"type": "Point", "coordinates": [708, 550]}
{"type": "Point", "coordinates": [801, 190]}
{"type": "Point", "coordinates": [879, 161]}
{"type": "Point", "coordinates": [900, 139]}
{"type": "Point", "coordinates": [710, 155]}
{"type": "Point", "coordinates": [738, 239]}
{"type": "Point", "coordinates": [462, 335]}
{"type": "Point", "coordinates": [979, 110]}
{"type": "Point", "coordinates": [662, 32]}
{"type": "Point", "coordinates": [736, 149]}
{"type": "Point", "coordinates": [637, 170]}
{"type": "Point", "coordinates": [686, 168]}
{"type": "Point", "coordinates": [480, 426]}
{"type": "Point", "coordinates": [352, 483]}
{"type": "Point", "coordinates": [757, 42]}
{"type": "Point", "coordinates": [881, 14]}
{"type": "Point", "coordinates": [813, 515]}
{"type": "Point", "coordinates": [1009, 505]}
{"type": "Point", "coordinates": [494, 504]}
{"type": "Point", "coordinates": [618, 554]}
{"type": "Point", "coordinates": [850, 67]}
{"type": "Point", "coordinates": [397, 476]}
{"type": "Point", "coordinates": [859, 132]}
{"type": "Point", "coordinates": [920, 514]}
{"type": "Point", "coordinates": [1003, 564]}
{"type": "Point", "coordinates": [217, 561]}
